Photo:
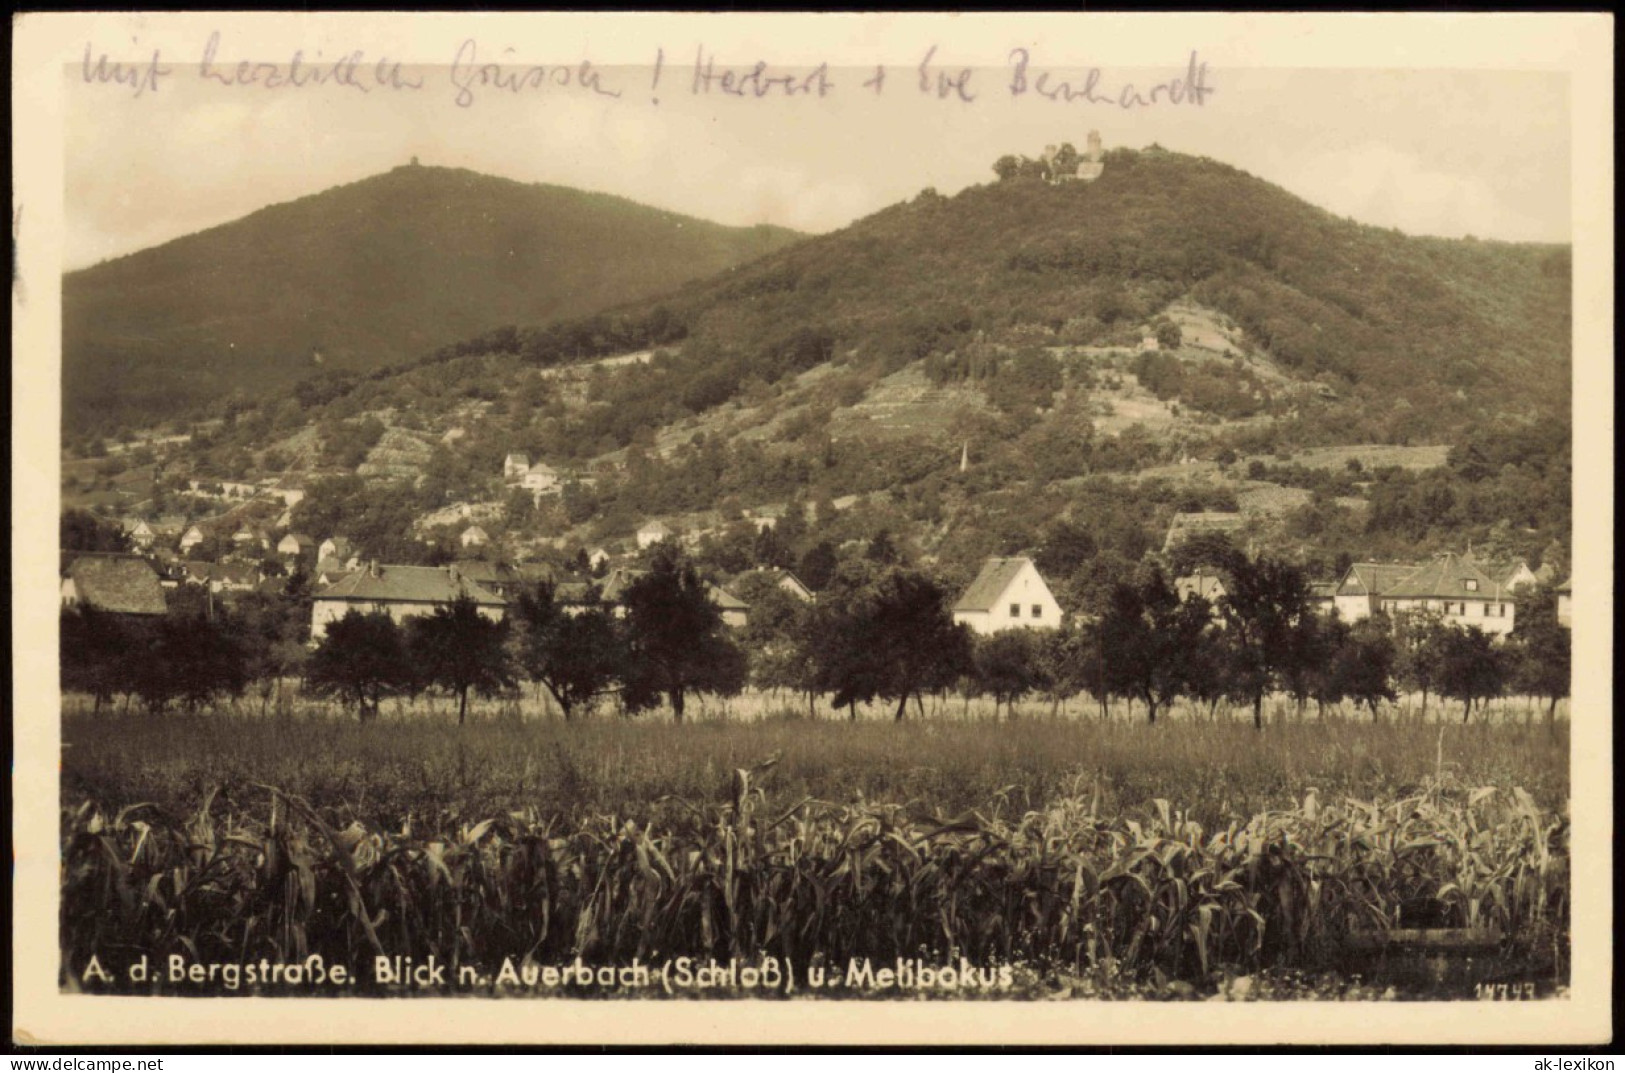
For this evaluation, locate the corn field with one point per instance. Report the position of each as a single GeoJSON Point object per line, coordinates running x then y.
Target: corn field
{"type": "Point", "coordinates": [1068, 890]}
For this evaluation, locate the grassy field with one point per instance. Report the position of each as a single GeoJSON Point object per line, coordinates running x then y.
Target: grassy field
{"type": "Point", "coordinates": [1090, 855]}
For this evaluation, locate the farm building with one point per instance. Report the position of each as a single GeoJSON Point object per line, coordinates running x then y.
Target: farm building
{"type": "Point", "coordinates": [114, 584]}
{"type": "Point", "coordinates": [474, 537]}
{"type": "Point", "coordinates": [294, 544]}
{"type": "Point", "coordinates": [515, 466]}
{"type": "Point", "coordinates": [1458, 589]}
{"type": "Point", "coordinates": [191, 538]}
{"type": "Point", "coordinates": [1008, 594]}
{"type": "Point", "coordinates": [401, 592]}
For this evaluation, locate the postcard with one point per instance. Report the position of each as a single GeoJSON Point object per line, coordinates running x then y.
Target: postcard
{"type": "Point", "coordinates": [806, 529]}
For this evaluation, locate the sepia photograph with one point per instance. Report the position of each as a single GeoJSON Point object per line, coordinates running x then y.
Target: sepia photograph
{"type": "Point", "coordinates": [941, 520]}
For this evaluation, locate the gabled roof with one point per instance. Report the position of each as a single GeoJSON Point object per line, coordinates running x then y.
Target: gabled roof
{"type": "Point", "coordinates": [410, 584]}
{"type": "Point", "coordinates": [989, 586]}
{"type": "Point", "coordinates": [653, 527]}
{"type": "Point", "coordinates": [1373, 579]}
{"type": "Point", "coordinates": [232, 573]}
{"type": "Point", "coordinates": [123, 585]}
{"type": "Point", "coordinates": [724, 599]}
{"type": "Point", "coordinates": [299, 538]}
{"type": "Point", "coordinates": [483, 573]}
{"type": "Point", "coordinates": [544, 470]}
{"type": "Point", "coordinates": [341, 546]}
{"type": "Point", "coordinates": [1567, 586]}
{"type": "Point", "coordinates": [1450, 577]}
{"type": "Point", "coordinates": [622, 577]}
{"type": "Point", "coordinates": [516, 457]}
{"type": "Point", "coordinates": [475, 531]}
{"type": "Point", "coordinates": [1322, 590]}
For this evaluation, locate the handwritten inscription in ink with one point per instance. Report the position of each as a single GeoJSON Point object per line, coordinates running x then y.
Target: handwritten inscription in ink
{"type": "Point", "coordinates": [477, 72]}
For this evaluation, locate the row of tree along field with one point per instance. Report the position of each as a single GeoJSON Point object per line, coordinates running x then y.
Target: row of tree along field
{"type": "Point", "coordinates": [880, 633]}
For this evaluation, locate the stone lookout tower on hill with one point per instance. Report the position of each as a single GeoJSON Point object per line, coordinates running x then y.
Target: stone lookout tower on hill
{"type": "Point", "coordinates": [1067, 166]}
{"type": "Point", "coordinates": [1094, 159]}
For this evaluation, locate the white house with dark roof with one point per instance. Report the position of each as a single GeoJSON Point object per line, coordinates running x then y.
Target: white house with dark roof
{"type": "Point", "coordinates": [1454, 587]}
{"type": "Point", "coordinates": [1358, 591]}
{"type": "Point", "coordinates": [399, 591]}
{"type": "Point", "coordinates": [295, 544]}
{"type": "Point", "coordinates": [1008, 594]}
{"type": "Point", "coordinates": [474, 537]}
{"type": "Point", "coordinates": [191, 538]}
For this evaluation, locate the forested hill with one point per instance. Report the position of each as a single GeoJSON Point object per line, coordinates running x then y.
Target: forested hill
{"type": "Point", "coordinates": [1437, 333]}
{"type": "Point", "coordinates": [363, 275]}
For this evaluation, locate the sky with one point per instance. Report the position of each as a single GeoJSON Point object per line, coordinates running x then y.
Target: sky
{"type": "Point", "coordinates": [1436, 152]}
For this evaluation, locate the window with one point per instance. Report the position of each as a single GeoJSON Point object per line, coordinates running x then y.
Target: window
{"type": "Point", "coordinates": [1038, 610]}
{"type": "Point", "coordinates": [1471, 584]}
{"type": "Point", "coordinates": [1015, 610]}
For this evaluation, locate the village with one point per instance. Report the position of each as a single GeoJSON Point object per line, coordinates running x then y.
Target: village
{"type": "Point", "coordinates": [321, 580]}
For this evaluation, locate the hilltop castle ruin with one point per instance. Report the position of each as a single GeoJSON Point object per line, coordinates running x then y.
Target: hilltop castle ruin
{"type": "Point", "coordinates": [1065, 165]}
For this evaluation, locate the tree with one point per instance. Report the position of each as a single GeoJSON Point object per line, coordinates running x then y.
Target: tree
{"type": "Point", "coordinates": [576, 656]}
{"type": "Point", "coordinates": [1169, 336]}
{"type": "Point", "coordinates": [677, 642]}
{"type": "Point", "coordinates": [460, 650]}
{"type": "Point", "coordinates": [94, 654]}
{"type": "Point", "coordinates": [1146, 635]}
{"type": "Point", "coordinates": [271, 631]}
{"type": "Point", "coordinates": [83, 531]}
{"type": "Point", "coordinates": [362, 659]}
{"type": "Point", "coordinates": [818, 565]}
{"type": "Point", "coordinates": [1472, 668]}
{"type": "Point", "coordinates": [1361, 664]}
{"type": "Point", "coordinates": [187, 658]}
{"type": "Point", "coordinates": [1541, 655]}
{"type": "Point", "coordinates": [889, 636]}
{"type": "Point", "coordinates": [1419, 651]}
{"type": "Point", "coordinates": [1264, 603]}
{"type": "Point", "coordinates": [776, 636]}
{"type": "Point", "coordinates": [1007, 666]}
{"type": "Point", "coordinates": [1006, 167]}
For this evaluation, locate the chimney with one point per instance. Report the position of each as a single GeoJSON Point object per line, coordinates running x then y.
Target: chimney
{"type": "Point", "coordinates": [451, 572]}
{"type": "Point", "coordinates": [372, 568]}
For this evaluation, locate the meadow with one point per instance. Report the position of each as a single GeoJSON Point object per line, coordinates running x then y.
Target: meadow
{"type": "Point", "coordinates": [1093, 855]}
